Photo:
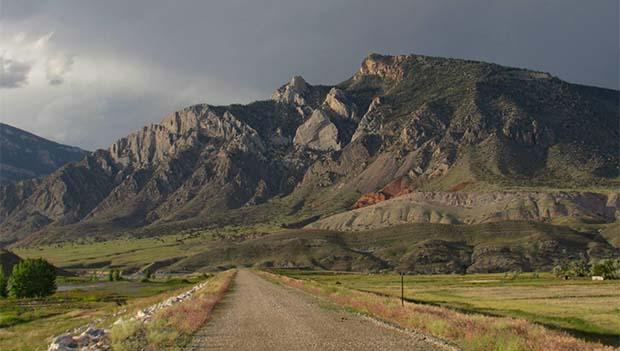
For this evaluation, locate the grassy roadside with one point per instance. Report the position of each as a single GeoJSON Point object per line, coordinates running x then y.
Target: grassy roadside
{"type": "Point", "coordinates": [469, 331]}
{"type": "Point", "coordinates": [582, 307]}
{"type": "Point", "coordinates": [172, 328]}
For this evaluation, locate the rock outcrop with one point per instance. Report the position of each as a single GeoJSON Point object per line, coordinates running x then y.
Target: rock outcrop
{"type": "Point", "coordinates": [294, 93]}
{"type": "Point", "coordinates": [179, 132]}
{"type": "Point", "coordinates": [318, 133]}
{"type": "Point", "coordinates": [389, 67]}
{"type": "Point", "coordinates": [396, 188]}
{"type": "Point", "coordinates": [341, 105]}
{"type": "Point", "coordinates": [371, 122]}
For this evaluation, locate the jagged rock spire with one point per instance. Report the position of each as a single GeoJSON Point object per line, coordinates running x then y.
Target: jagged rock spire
{"type": "Point", "coordinates": [293, 92]}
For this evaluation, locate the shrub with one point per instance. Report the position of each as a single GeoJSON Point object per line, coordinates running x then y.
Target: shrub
{"type": "Point", "coordinates": [578, 268]}
{"type": "Point", "coordinates": [558, 271]}
{"type": "Point", "coordinates": [608, 269]}
{"type": "Point", "coordinates": [3, 283]}
{"type": "Point", "coordinates": [575, 268]}
{"type": "Point", "coordinates": [111, 275]}
{"type": "Point", "coordinates": [32, 278]}
{"type": "Point", "coordinates": [117, 275]}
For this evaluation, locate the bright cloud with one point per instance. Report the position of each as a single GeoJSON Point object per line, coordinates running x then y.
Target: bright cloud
{"type": "Point", "coordinates": [26, 60]}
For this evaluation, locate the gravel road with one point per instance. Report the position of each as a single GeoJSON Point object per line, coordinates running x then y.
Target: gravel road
{"type": "Point", "coordinates": [259, 315]}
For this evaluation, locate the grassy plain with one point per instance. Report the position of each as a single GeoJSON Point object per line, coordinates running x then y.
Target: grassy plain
{"type": "Point", "coordinates": [133, 252]}
{"type": "Point", "coordinates": [584, 308]}
{"type": "Point", "coordinates": [28, 324]}
{"type": "Point", "coordinates": [421, 248]}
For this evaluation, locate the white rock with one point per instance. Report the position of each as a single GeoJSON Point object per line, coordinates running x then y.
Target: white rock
{"type": "Point", "coordinates": [318, 133]}
{"type": "Point", "coordinates": [340, 104]}
{"type": "Point", "coordinates": [63, 343]}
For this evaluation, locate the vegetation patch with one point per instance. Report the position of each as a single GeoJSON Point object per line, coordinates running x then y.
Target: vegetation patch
{"type": "Point", "coordinates": [29, 323]}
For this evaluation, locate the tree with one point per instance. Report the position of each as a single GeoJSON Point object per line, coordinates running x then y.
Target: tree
{"type": "Point", "coordinates": [117, 275]}
{"type": "Point", "coordinates": [32, 278]}
{"type": "Point", "coordinates": [3, 283]}
{"type": "Point", "coordinates": [148, 274]}
{"type": "Point", "coordinates": [608, 269]}
{"type": "Point", "coordinates": [578, 268]}
{"type": "Point", "coordinates": [575, 268]}
{"type": "Point", "coordinates": [558, 271]}
{"type": "Point", "coordinates": [111, 275]}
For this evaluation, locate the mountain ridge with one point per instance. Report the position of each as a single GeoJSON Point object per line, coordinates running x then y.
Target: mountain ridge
{"type": "Point", "coordinates": [315, 150]}
{"type": "Point", "coordinates": [24, 155]}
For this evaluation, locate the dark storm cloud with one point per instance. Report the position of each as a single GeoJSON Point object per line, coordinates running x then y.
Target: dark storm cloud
{"type": "Point", "coordinates": [255, 46]}
{"type": "Point", "coordinates": [13, 74]}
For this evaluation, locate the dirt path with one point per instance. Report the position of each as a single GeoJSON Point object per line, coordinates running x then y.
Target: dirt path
{"type": "Point", "coordinates": [259, 315]}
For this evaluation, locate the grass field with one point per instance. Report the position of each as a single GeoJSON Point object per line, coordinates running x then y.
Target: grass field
{"type": "Point", "coordinates": [28, 324]}
{"type": "Point", "coordinates": [584, 308]}
{"type": "Point", "coordinates": [132, 252]}
{"type": "Point", "coordinates": [421, 248]}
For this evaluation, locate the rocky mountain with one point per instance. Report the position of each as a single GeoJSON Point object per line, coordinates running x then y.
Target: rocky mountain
{"type": "Point", "coordinates": [406, 126]}
{"type": "Point", "coordinates": [24, 155]}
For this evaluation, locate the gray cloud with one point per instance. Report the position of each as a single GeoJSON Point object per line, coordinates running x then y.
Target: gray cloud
{"type": "Point", "coordinates": [57, 67]}
{"type": "Point", "coordinates": [13, 74]}
{"type": "Point", "coordinates": [238, 51]}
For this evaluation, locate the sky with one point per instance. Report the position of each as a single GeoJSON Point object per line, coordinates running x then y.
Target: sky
{"type": "Point", "coordinates": [86, 73]}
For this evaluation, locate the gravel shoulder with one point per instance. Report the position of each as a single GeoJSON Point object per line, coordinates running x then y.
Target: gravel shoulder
{"type": "Point", "coordinates": [259, 315]}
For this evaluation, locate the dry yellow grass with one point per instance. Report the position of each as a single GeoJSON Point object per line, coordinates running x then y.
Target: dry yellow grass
{"type": "Point", "coordinates": [172, 328]}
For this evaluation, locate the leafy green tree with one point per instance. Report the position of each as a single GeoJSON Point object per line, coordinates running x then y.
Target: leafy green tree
{"type": "Point", "coordinates": [32, 278]}
{"type": "Point", "coordinates": [574, 268]}
{"type": "Point", "coordinates": [578, 268]}
{"type": "Point", "coordinates": [558, 271]}
{"type": "Point", "coordinates": [117, 275]}
{"type": "Point", "coordinates": [3, 283]}
{"type": "Point", "coordinates": [111, 275]}
{"type": "Point", "coordinates": [608, 269]}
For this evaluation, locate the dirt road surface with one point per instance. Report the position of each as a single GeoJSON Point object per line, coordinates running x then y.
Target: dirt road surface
{"type": "Point", "coordinates": [260, 315]}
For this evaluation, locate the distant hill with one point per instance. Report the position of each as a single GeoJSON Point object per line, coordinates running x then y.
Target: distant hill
{"type": "Point", "coordinates": [416, 248]}
{"type": "Point", "coordinates": [24, 155]}
{"type": "Point", "coordinates": [401, 125]}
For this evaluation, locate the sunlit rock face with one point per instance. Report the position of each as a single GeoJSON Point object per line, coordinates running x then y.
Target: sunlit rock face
{"type": "Point", "coordinates": [318, 133]}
